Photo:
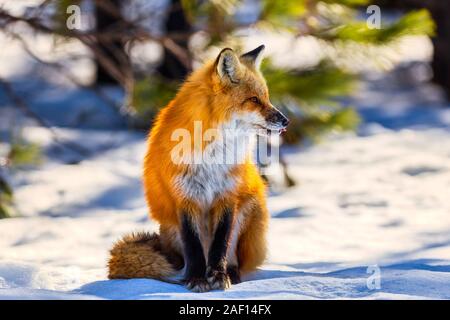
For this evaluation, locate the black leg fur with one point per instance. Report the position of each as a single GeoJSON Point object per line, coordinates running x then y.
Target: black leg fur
{"type": "Point", "coordinates": [234, 274]}
{"type": "Point", "coordinates": [217, 264]}
{"type": "Point", "coordinates": [194, 257]}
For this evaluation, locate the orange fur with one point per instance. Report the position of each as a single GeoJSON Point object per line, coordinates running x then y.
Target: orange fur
{"type": "Point", "coordinates": [139, 256]}
{"type": "Point", "coordinates": [212, 100]}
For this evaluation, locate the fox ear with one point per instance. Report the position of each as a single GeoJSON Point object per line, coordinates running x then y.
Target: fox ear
{"type": "Point", "coordinates": [228, 66]}
{"type": "Point", "coordinates": [254, 57]}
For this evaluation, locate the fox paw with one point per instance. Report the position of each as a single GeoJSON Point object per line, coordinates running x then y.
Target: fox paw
{"type": "Point", "coordinates": [198, 285]}
{"type": "Point", "coordinates": [234, 274]}
{"type": "Point", "coordinates": [218, 280]}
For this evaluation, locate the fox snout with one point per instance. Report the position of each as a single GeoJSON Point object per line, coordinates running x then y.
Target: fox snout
{"type": "Point", "coordinates": [277, 119]}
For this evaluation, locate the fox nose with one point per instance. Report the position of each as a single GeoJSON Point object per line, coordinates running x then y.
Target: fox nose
{"type": "Point", "coordinates": [277, 117]}
{"type": "Point", "coordinates": [281, 118]}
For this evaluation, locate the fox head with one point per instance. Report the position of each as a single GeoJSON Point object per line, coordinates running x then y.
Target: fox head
{"type": "Point", "coordinates": [241, 92]}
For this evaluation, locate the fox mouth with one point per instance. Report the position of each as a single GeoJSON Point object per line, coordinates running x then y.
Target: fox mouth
{"type": "Point", "coordinates": [269, 130]}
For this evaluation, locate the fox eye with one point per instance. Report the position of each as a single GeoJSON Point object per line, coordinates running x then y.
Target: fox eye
{"type": "Point", "coordinates": [255, 100]}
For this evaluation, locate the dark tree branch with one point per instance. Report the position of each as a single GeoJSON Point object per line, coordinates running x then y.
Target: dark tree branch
{"type": "Point", "coordinates": [23, 106]}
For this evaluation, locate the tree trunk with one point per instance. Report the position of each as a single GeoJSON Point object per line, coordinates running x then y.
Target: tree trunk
{"type": "Point", "coordinates": [113, 49]}
{"type": "Point", "coordinates": [440, 11]}
{"type": "Point", "coordinates": [171, 67]}
{"type": "Point", "coordinates": [441, 55]}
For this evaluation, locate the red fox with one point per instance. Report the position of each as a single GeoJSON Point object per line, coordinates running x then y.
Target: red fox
{"type": "Point", "coordinates": [212, 214]}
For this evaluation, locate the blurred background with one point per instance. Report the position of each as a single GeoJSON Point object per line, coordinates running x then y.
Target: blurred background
{"type": "Point", "coordinates": [365, 84]}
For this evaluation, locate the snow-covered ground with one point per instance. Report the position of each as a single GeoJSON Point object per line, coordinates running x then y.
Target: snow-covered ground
{"type": "Point", "coordinates": [370, 204]}
{"type": "Point", "coordinates": [369, 217]}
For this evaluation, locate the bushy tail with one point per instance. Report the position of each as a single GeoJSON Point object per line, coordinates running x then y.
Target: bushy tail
{"type": "Point", "coordinates": [139, 255]}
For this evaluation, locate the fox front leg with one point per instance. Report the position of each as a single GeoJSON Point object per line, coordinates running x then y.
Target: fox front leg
{"type": "Point", "coordinates": [216, 272]}
{"type": "Point", "coordinates": [194, 257]}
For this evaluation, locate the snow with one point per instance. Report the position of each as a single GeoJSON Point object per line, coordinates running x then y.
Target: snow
{"type": "Point", "coordinates": [369, 203]}
{"type": "Point", "coordinates": [378, 198]}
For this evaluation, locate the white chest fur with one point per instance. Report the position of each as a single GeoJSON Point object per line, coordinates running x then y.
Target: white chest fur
{"type": "Point", "coordinates": [205, 180]}
{"type": "Point", "coordinates": [204, 183]}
